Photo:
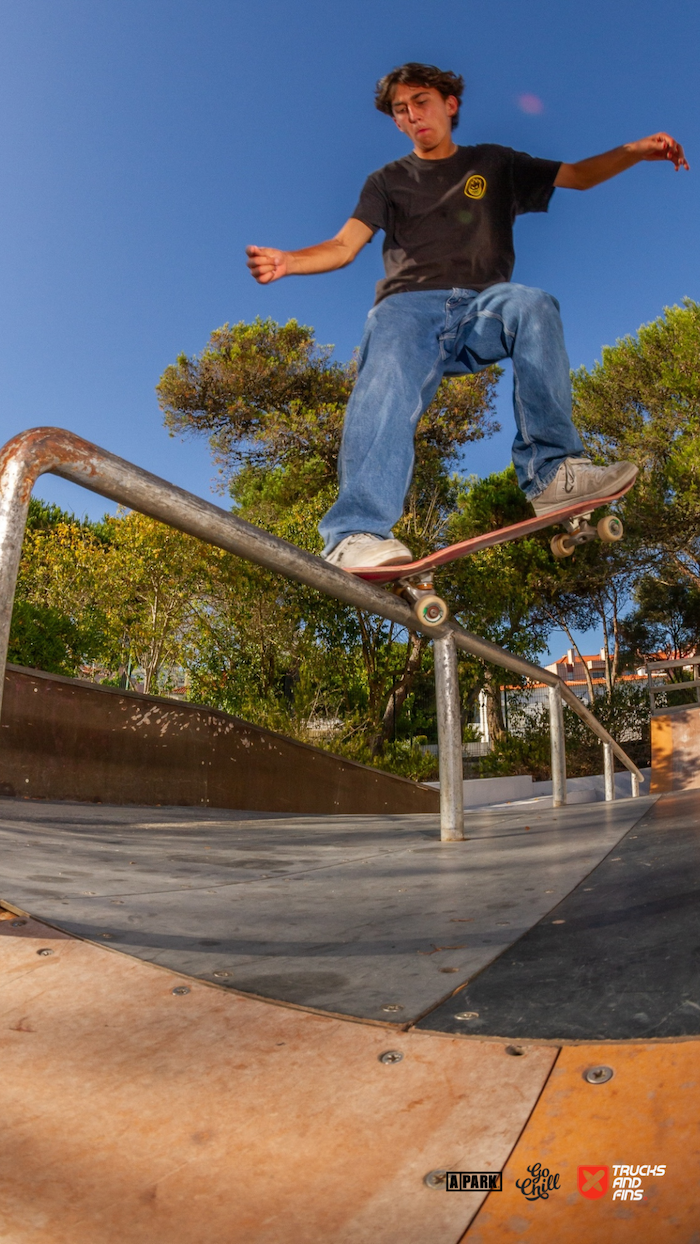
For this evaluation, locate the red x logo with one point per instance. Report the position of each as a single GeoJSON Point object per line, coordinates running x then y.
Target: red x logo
{"type": "Point", "coordinates": [593, 1181]}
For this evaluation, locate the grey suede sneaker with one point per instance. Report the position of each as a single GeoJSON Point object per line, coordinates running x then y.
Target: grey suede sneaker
{"type": "Point", "coordinates": [579, 480]}
{"type": "Point", "coordinates": [363, 549]}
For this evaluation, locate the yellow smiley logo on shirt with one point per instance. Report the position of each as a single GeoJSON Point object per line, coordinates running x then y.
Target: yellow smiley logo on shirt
{"type": "Point", "coordinates": [475, 187]}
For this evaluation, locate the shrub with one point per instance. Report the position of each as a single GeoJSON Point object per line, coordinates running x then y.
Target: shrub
{"type": "Point", "coordinates": [626, 716]}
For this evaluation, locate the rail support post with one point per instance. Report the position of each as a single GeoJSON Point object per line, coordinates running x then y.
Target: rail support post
{"type": "Point", "coordinates": [15, 491]}
{"type": "Point", "coordinates": [449, 725]}
{"type": "Point", "coordinates": [609, 772]}
{"type": "Point", "coordinates": [558, 747]}
{"type": "Point", "coordinates": [635, 785]}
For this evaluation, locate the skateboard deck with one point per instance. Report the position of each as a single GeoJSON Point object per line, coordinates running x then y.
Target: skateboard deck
{"type": "Point", "coordinates": [415, 578]}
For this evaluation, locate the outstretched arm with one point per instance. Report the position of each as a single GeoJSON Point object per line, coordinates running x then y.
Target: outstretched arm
{"type": "Point", "coordinates": [587, 173]}
{"type": "Point", "coordinates": [267, 264]}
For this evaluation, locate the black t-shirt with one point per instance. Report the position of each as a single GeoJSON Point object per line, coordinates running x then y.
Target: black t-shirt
{"type": "Point", "coordinates": [449, 223]}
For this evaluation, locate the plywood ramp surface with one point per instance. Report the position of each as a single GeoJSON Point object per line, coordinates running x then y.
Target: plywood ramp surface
{"type": "Point", "coordinates": [133, 1114]}
{"type": "Point", "coordinates": [647, 1114]}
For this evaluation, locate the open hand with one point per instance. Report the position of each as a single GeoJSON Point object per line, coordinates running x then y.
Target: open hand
{"type": "Point", "coordinates": [266, 263]}
{"type": "Point", "coordinates": [662, 147]}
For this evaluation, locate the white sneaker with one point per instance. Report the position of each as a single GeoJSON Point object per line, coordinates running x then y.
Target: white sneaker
{"type": "Point", "coordinates": [579, 480]}
{"type": "Point", "coordinates": [363, 549]}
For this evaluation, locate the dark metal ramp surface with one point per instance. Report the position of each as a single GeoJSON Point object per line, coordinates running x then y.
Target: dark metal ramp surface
{"type": "Point", "coordinates": [618, 958]}
{"type": "Point", "coordinates": [371, 917]}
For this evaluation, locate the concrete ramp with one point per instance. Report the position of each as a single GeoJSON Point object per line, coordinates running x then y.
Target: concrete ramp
{"type": "Point", "coordinates": [345, 914]}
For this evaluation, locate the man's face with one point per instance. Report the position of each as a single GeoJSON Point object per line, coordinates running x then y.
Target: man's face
{"type": "Point", "coordinates": [423, 115]}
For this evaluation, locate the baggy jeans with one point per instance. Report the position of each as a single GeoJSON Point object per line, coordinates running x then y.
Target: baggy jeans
{"type": "Point", "coordinates": [410, 342]}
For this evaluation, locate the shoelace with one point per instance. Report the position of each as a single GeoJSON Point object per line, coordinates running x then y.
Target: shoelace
{"type": "Point", "coordinates": [360, 535]}
{"type": "Point", "coordinates": [569, 476]}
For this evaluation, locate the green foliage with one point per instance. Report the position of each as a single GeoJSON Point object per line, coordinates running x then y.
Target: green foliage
{"type": "Point", "coordinates": [46, 516]}
{"type": "Point", "coordinates": [43, 638]}
{"type": "Point", "coordinates": [401, 756]}
{"type": "Point", "coordinates": [56, 624]}
{"type": "Point", "coordinates": [514, 754]}
{"type": "Point", "coordinates": [260, 392]}
{"type": "Point", "coordinates": [665, 620]}
{"type": "Point", "coordinates": [643, 399]}
{"type": "Point", "coordinates": [642, 402]}
{"type": "Point", "coordinates": [113, 592]}
{"type": "Point", "coordinates": [625, 714]}
{"type": "Point", "coordinates": [149, 581]}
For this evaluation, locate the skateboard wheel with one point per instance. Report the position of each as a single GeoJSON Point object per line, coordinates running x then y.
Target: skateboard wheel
{"type": "Point", "coordinates": [610, 529]}
{"type": "Point", "coordinates": [562, 546]}
{"type": "Point", "coordinates": [431, 611]}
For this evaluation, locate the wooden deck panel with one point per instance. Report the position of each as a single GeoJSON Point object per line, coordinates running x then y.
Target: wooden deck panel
{"type": "Point", "coordinates": [132, 1114]}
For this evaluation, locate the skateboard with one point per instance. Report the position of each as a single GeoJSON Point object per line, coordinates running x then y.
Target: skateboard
{"type": "Point", "coordinates": [414, 580]}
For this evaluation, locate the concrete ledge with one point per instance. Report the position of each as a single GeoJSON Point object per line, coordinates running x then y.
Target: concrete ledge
{"type": "Point", "coordinates": [483, 792]}
{"type": "Point", "coordinates": [478, 792]}
{"type": "Point", "coordinates": [495, 792]}
{"type": "Point", "coordinates": [592, 788]}
{"type": "Point", "coordinates": [61, 738]}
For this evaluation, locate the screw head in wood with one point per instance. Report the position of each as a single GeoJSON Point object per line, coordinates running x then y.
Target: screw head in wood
{"type": "Point", "coordinates": [598, 1075]}
{"type": "Point", "coordinates": [435, 1179]}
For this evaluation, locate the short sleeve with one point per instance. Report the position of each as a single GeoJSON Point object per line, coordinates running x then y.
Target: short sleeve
{"type": "Point", "coordinates": [372, 206]}
{"type": "Point", "coordinates": [533, 182]}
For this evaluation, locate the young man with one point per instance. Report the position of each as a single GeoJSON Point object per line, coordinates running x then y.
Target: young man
{"type": "Point", "coordinates": [447, 306]}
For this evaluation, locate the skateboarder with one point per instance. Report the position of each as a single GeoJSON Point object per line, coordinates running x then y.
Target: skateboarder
{"type": "Point", "coordinates": [447, 307]}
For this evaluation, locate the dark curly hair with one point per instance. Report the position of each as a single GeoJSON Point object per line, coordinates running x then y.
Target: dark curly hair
{"type": "Point", "coordinates": [415, 74]}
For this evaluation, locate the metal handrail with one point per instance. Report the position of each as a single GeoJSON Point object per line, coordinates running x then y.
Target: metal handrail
{"type": "Point", "coordinates": [487, 651]}
{"type": "Point", "coordinates": [664, 688]}
{"type": "Point", "coordinates": [59, 452]}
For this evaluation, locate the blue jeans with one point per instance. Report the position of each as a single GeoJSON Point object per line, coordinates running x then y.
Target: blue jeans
{"type": "Point", "coordinates": [410, 342]}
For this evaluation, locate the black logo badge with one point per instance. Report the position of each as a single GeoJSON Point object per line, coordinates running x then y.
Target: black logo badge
{"type": "Point", "coordinates": [538, 1184]}
{"type": "Point", "coordinates": [474, 1181]}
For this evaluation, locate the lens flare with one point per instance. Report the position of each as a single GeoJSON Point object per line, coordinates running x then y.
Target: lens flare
{"type": "Point", "coordinates": [532, 104]}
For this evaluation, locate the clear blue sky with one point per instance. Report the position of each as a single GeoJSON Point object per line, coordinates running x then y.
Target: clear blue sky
{"type": "Point", "coordinates": [144, 143]}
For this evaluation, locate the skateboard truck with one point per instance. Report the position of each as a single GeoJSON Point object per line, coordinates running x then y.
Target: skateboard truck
{"type": "Point", "coordinates": [430, 609]}
{"type": "Point", "coordinates": [580, 531]}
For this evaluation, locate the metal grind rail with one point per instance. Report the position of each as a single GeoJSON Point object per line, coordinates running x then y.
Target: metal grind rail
{"type": "Point", "coordinates": [58, 452]}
